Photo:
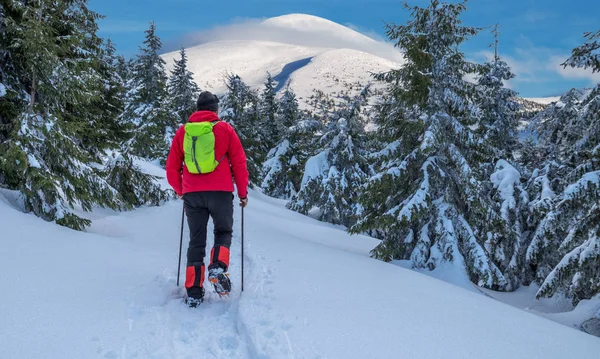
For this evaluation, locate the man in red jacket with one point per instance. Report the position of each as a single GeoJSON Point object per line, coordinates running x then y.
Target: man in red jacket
{"type": "Point", "coordinates": [209, 194]}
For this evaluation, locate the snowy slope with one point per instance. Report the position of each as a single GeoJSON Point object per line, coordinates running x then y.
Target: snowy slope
{"type": "Point", "coordinates": [315, 25]}
{"type": "Point", "coordinates": [311, 292]}
{"type": "Point", "coordinates": [314, 30]}
{"type": "Point", "coordinates": [544, 100]}
{"type": "Point", "coordinates": [318, 53]}
{"type": "Point", "coordinates": [251, 60]}
{"type": "Point", "coordinates": [334, 70]}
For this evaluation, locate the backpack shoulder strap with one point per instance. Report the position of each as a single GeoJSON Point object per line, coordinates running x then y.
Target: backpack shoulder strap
{"type": "Point", "coordinates": [215, 122]}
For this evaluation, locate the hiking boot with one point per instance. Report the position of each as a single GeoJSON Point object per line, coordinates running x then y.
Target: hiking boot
{"type": "Point", "coordinates": [195, 297]}
{"type": "Point", "coordinates": [220, 280]}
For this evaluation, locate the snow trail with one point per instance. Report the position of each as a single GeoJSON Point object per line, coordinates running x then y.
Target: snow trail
{"type": "Point", "coordinates": [172, 330]}
{"type": "Point", "coordinates": [162, 326]}
{"type": "Point", "coordinates": [311, 291]}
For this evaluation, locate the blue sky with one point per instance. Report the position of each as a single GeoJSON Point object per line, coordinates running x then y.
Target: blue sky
{"type": "Point", "coordinates": [537, 35]}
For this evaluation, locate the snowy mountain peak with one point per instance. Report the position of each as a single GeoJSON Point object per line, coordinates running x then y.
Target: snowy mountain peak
{"type": "Point", "coordinates": [314, 24]}
{"type": "Point", "coordinates": [298, 20]}
{"type": "Point", "coordinates": [308, 51]}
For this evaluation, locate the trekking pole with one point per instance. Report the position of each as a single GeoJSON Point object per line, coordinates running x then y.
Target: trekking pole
{"type": "Point", "coordinates": [242, 249]}
{"type": "Point", "coordinates": [180, 243]}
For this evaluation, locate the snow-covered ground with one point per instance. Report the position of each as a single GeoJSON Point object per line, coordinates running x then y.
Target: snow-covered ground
{"type": "Point", "coordinates": [311, 291]}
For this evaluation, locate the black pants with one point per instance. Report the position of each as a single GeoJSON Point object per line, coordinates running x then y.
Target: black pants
{"type": "Point", "coordinates": [199, 206]}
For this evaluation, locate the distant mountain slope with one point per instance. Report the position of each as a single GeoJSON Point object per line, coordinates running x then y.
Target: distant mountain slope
{"type": "Point", "coordinates": [249, 59]}
{"type": "Point", "coordinates": [312, 52]}
{"type": "Point", "coordinates": [311, 30]}
{"type": "Point", "coordinates": [336, 70]}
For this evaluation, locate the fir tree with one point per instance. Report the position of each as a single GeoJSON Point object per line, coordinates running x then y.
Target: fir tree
{"type": "Point", "coordinates": [333, 178]}
{"type": "Point", "coordinates": [500, 110]}
{"type": "Point", "coordinates": [147, 109]}
{"type": "Point", "coordinates": [51, 47]}
{"type": "Point", "coordinates": [238, 98]}
{"type": "Point", "coordinates": [280, 169]}
{"type": "Point", "coordinates": [61, 111]}
{"type": "Point", "coordinates": [109, 130]}
{"type": "Point", "coordinates": [288, 110]}
{"type": "Point", "coordinates": [268, 112]}
{"type": "Point", "coordinates": [284, 167]}
{"type": "Point", "coordinates": [183, 91]}
{"type": "Point", "coordinates": [428, 200]}
{"type": "Point", "coordinates": [122, 69]}
{"type": "Point", "coordinates": [497, 127]}
{"type": "Point", "coordinates": [559, 126]}
{"type": "Point", "coordinates": [564, 250]}
{"type": "Point", "coordinates": [322, 105]}
{"type": "Point", "coordinates": [241, 109]}
{"type": "Point", "coordinates": [587, 55]}
{"type": "Point", "coordinates": [134, 187]}
{"type": "Point", "coordinates": [151, 68]}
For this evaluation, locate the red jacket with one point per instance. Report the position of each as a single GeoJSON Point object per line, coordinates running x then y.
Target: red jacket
{"type": "Point", "coordinates": [227, 143]}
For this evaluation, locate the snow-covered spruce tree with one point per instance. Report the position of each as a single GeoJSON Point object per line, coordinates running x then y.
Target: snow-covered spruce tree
{"type": "Point", "coordinates": [428, 200]}
{"type": "Point", "coordinates": [499, 107]}
{"type": "Point", "coordinates": [586, 56]}
{"type": "Point", "coordinates": [61, 112]}
{"type": "Point", "coordinates": [559, 127]}
{"type": "Point", "coordinates": [122, 69]}
{"type": "Point", "coordinates": [288, 109]}
{"type": "Point", "coordinates": [51, 49]}
{"type": "Point", "coordinates": [557, 131]}
{"type": "Point", "coordinates": [183, 91]}
{"type": "Point", "coordinates": [272, 126]}
{"type": "Point", "coordinates": [9, 97]}
{"type": "Point", "coordinates": [134, 187]}
{"type": "Point", "coordinates": [147, 110]}
{"type": "Point", "coordinates": [323, 106]}
{"type": "Point", "coordinates": [241, 108]}
{"type": "Point", "coordinates": [333, 178]}
{"type": "Point", "coordinates": [497, 127]}
{"type": "Point", "coordinates": [284, 166]}
{"type": "Point", "coordinates": [564, 253]}
{"type": "Point", "coordinates": [109, 131]}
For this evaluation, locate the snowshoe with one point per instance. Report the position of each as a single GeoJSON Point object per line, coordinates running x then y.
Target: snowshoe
{"type": "Point", "coordinates": [193, 302]}
{"type": "Point", "coordinates": [196, 298]}
{"type": "Point", "coordinates": [220, 281]}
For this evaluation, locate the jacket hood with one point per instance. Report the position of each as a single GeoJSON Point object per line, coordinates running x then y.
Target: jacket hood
{"type": "Point", "coordinates": [203, 116]}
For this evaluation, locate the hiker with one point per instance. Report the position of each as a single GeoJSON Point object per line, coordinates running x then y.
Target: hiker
{"type": "Point", "coordinates": [206, 152]}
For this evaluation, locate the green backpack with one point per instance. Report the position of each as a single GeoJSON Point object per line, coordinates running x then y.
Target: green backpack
{"type": "Point", "coordinates": [199, 147]}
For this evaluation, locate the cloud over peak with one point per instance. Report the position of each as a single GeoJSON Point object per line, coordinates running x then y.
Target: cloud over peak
{"type": "Point", "coordinates": [294, 29]}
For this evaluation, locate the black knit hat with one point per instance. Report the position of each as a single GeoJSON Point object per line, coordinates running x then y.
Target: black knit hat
{"type": "Point", "coordinates": [207, 102]}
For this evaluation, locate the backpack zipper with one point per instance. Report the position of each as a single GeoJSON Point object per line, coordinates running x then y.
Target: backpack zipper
{"type": "Point", "coordinates": [194, 139]}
